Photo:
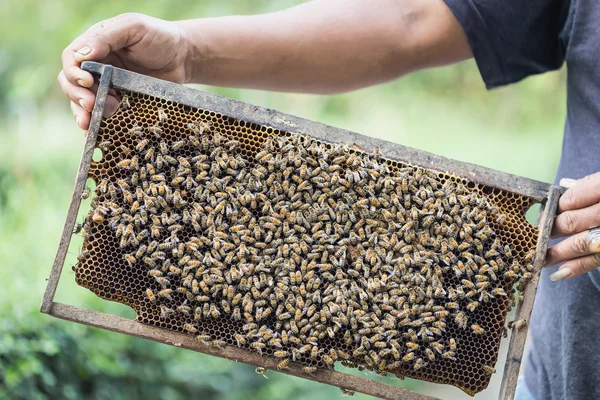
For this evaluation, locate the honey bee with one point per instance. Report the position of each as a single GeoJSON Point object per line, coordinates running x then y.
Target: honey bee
{"type": "Point", "coordinates": [150, 295]}
{"type": "Point", "coordinates": [430, 354]}
{"type": "Point", "coordinates": [258, 346]}
{"type": "Point", "coordinates": [261, 371]}
{"type": "Point", "coordinates": [412, 346]}
{"type": "Point", "coordinates": [85, 193]}
{"type": "Point", "coordinates": [166, 293]}
{"type": "Point", "coordinates": [309, 370]}
{"type": "Point", "coordinates": [419, 363]}
{"type": "Point", "coordinates": [488, 369]}
{"type": "Point", "coordinates": [162, 116]}
{"type": "Point", "coordinates": [125, 103]}
{"type": "Point", "coordinates": [477, 329]}
{"type": "Point", "coordinates": [130, 259]}
{"type": "Point", "coordinates": [135, 130]}
{"type": "Point", "coordinates": [517, 324]}
{"type": "Point", "coordinates": [437, 346]}
{"type": "Point", "coordinates": [461, 320]}
{"type": "Point", "coordinates": [156, 131]}
{"type": "Point", "coordinates": [204, 339]}
{"type": "Point", "coordinates": [327, 360]}
{"type": "Point", "coordinates": [283, 364]}
{"type": "Point", "coordinates": [165, 312]}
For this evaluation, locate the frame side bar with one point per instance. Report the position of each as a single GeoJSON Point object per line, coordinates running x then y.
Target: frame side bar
{"type": "Point", "coordinates": [82, 176]}
{"type": "Point", "coordinates": [134, 328]}
{"type": "Point", "coordinates": [285, 122]}
{"type": "Point", "coordinates": [518, 337]}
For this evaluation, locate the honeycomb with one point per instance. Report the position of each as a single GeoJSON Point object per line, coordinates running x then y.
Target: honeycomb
{"type": "Point", "coordinates": [104, 269]}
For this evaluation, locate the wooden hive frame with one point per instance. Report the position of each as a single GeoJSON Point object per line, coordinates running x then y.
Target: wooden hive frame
{"type": "Point", "coordinates": [112, 77]}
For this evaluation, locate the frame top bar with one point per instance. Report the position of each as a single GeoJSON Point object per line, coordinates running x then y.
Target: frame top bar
{"type": "Point", "coordinates": [263, 116]}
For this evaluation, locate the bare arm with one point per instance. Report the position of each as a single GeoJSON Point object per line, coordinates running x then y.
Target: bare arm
{"type": "Point", "coordinates": [323, 46]}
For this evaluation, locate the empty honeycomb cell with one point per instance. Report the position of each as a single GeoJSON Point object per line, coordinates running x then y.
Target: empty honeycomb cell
{"type": "Point", "coordinates": [106, 271]}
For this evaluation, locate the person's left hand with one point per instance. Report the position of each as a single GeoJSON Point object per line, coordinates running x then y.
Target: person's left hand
{"type": "Point", "coordinates": [578, 211]}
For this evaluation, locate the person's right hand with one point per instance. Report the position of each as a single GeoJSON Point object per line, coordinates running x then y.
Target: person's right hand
{"type": "Point", "coordinates": [135, 42]}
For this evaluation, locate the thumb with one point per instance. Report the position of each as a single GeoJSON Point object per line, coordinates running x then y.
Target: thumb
{"type": "Point", "coordinates": [109, 36]}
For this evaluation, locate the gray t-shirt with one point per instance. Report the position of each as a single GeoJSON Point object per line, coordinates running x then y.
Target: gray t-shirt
{"type": "Point", "coordinates": [511, 40]}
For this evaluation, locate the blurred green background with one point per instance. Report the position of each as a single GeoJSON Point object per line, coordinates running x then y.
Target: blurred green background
{"type": "Point", "coordinates": [517, 129]}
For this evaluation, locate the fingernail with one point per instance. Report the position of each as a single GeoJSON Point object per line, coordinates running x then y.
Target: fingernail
{"type": "Point", "coordinates": [594, 245]}
{"type": "Point", "coordinates": [82, 83]}
{"type": "Point", "coordinates": [560, 274]}
{"type": "Point", "coordinates": [81, 104]}
{"type": "Point", "coordinates": [85, 50]}
{"type": "Point", "coordinates": [77, 120]}
{"type": "Point", "coordinates": [567, 182]}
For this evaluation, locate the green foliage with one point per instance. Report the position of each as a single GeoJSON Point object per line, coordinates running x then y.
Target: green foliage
{"type": "Point", "coordinates": [64, 361]}
{"type": "Point", "coordinates": [446, 111]}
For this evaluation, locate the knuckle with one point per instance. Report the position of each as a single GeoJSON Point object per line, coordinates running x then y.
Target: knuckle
{"type": "Point", "coordinates": [580, 266]}
{"type": "Point", "coordinates": [569, 222]}
{"type": "Point", "coordinates": [569, 197]}
{"type": "Point", "coordinates": [595, 177]}
{"type": "Point", "coordinates": [579, 245]}
{"type": "Point", "coordinates": [131, 18]}
{"type": "Point", "coordinates": [97, 36]}
{"type": "Point", "coordinates": [588, 178]}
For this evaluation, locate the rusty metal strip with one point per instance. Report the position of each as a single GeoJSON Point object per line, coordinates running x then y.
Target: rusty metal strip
{"type": "Point", "coordinates": [518, 337]}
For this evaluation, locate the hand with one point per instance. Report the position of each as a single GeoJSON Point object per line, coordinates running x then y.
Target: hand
{"type": "Point", "coordinates": [579, 211]}
{"type": "Point", "coordinates": [135, 42]}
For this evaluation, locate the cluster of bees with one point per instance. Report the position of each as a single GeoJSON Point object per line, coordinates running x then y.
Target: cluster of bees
{"type": "Point", "coordinates": [303, 243]}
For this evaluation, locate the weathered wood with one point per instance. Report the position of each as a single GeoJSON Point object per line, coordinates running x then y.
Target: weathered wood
{"type": "Point", "coordinates": [263, 116]}
{"type": "Point", "coordinates": [80, 180]}
{"type": "Point", "coordinates": [233, 353]}
{"type": "Point", "coordinates": [518, 337]}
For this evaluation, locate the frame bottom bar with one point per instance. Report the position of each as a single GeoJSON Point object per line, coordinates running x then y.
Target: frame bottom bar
{"type": "Point", "coordinates": [134, 328]}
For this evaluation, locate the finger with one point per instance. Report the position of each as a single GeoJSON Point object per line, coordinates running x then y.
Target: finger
{"type": "Point", "coordinates": [574, 221]}
{"type": "Point", "coordinates": [576, 267]}
{"type": "Point", "coordinates": [73, 73]}
{"type": "Point", "coordinates": [81, 116]}
{"type": "Point", "coordinates": [568, 249]}
{"type": "Point", "coordinates": [568, 182]}
{"type": "Point", "coordinates": [77, 94]}
{"type": "Point", "coordinates": [584, 193]}
{"type": "Point", "coordinates": [110, 36]}
{"type": "Point", "coordinates": [111, 105]}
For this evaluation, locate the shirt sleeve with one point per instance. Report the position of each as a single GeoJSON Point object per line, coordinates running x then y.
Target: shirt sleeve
{"type": "Point", "coordinates": [513, 39]}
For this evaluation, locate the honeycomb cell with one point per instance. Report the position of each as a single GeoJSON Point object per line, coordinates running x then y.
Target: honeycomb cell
{"type": "Point", "coordinates": [106, 272]}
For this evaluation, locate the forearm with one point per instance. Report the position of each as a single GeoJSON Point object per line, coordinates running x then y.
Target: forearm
{"type": "Point", "coordinates": [322, 46]}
